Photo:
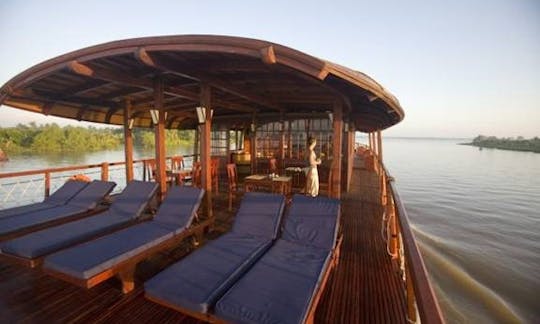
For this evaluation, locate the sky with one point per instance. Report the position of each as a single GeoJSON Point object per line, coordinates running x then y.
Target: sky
{"type": "Point", "coordinates": [459, 68]}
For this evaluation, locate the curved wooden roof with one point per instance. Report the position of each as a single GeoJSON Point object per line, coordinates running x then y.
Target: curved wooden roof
{"type": "Point", "coordinates": [247, 77]}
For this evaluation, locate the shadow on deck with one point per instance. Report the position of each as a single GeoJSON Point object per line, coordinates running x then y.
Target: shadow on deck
{"type": "Point", "coordinates": [364, 288]}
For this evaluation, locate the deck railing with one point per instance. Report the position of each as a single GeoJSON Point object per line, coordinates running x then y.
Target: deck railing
{"type": "Point", "coordinates": [23, 187]}
{"type": "Point", "coordinates": [422, 305]}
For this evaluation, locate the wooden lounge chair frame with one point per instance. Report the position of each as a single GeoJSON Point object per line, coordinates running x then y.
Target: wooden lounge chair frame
{"type": "Point", "coordinates": [125, 270]}
{"type": "Point", "coordinates": [211, 318]}
{"type": "Point", "coordinates": [38, 261]}
{"type": "Point", "coordinates": [101, 207]}
{"type": "Point", "coordinates": [51, 223]}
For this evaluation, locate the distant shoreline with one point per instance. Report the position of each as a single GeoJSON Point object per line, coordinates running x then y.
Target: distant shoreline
{"type": "Point", "coordinates": [509, 144]}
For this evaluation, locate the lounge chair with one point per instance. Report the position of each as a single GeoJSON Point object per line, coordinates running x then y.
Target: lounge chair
{"type": "Point", "coordinates": [60, 197]}
{"type": "Point", "coordinates": [118, 253]}
{"type": "Point", "coordinates": [30, 249]}
{"type": "Point", "coordinates": [285, 284]}
{"type": "Point", "coordinates": [80, 205]}
{"type": "Point", "coordinates": [196, 282]}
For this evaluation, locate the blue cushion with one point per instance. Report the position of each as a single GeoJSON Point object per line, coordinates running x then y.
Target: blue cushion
{"type": "Point", "coordinates": [179, 207]}
{"type": "Point", "coordinates": [55, 238]}
{"type": "Point", "coordinates": [312, 221]}
{"type": "Point", "coordinates": [59, 197]}
{"type": "Point", "coordinates": [278, 288]}
{"type": "Point", "coordinates": [198, 280]}
{"type": "Point", "coordinates": [16, 211]}
{"type": "Point", "coordinates": [174, 216]}
{"type": "Point", "coordinates": [134, 198]}
{"type": "Point", "coordinates": [314, 206]}
{"type": "Point", "coordinates": [88, 259]}
{"type": "Point", "coordinates": [67, 191]}
{"type": "Point", "coordinates": [19, 222]}
{"type": "Point", "coordinates": [86, 199]}
{"type": "Point", "coordinates": [318, 232]}
{"type": "Point", "coordinates": [259, 214]}
{"type": "Point", "coordinates": [91, 195]}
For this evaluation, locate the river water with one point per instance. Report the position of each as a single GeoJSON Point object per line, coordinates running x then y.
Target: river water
{"type": "Point", "coordinates": [476, 216]}
{"type": "Point", "coordinates": [475, 213]}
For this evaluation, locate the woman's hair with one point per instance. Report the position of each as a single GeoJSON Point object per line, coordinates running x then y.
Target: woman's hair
{"type": "Point", "coordinates": [311, 140]}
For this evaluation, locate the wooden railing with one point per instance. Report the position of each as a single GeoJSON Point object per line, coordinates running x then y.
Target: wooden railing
{"type": "Point", "coordinates": [104, 169]}
{"type": "Point", "coordinates": [421, 300]}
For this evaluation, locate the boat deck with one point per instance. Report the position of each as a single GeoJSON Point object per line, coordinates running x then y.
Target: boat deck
{"type": "Point", "coordinates": [364, 288]}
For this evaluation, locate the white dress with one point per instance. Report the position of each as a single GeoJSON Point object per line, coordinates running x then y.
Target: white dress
{"type": "Point", "coordinates": [312, 176]}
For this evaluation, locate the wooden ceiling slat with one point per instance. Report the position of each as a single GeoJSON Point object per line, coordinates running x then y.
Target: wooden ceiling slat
{"type": "Point", "coordinates": [151, 60]}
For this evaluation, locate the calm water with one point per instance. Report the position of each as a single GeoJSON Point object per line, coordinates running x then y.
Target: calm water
{"type": "Point", "coordinates": [475, 214]}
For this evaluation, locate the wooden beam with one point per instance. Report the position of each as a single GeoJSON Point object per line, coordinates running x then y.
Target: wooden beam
{"type": "Point", "coordinates": [160, 138]}
{"type": "Point", "coordinates": [128, 80]}
{"type": "Point", "coordinates": [85, 87]}
{"type": "Point", "coordinates": [48, 96]}
{"type": "Point", "coordinates": [46, 109]}
{"type": "Point", "coordinates": [267, 55]}
{"type": "Point", "coordinates": [81, 112]}
{"type": "Point", "coordinates": [128, 142]}
{"type": "Point", "coordinates": [110, 113]}
{"type": "Point", "coordinates": [337, 146]}
{"type": "Point", "coordinates": [206, 103]}
{"type": "Point", "coordinates": [167, 66]}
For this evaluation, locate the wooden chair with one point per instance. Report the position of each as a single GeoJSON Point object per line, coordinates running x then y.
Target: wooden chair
{"type": "Point", "coordinates": [214, 172]}
{"type": "Point", "coordinates": [232, 176]}
{"type": "Point", "coordinates": [151, 170]}
{"type": "Point", "coordinates": [196, 175]}
{"type": "Point", "coordinates": [177, 165]}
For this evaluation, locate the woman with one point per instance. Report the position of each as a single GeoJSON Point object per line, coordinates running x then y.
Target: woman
{"type": "Point", "coordinates": [312, 175]}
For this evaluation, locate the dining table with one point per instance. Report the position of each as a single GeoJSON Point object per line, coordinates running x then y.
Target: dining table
{"type": "Point", "coordinates": [265, 182]}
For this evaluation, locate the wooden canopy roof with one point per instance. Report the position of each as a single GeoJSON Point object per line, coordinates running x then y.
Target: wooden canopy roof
{"type": "Point", "coordinates": [249, 79]}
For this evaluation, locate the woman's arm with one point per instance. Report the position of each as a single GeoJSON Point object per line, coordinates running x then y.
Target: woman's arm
{"type": "Point", "coordinates": [313, 161]}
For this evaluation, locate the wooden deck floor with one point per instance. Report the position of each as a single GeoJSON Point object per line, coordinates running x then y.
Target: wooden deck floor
{"type": "Point", "coordinates": [364, 288]}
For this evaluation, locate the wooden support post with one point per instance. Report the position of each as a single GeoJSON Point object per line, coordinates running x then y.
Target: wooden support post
{"type": "Point", "coordinates": [379, 146]}
{"type": "Point", "coordinates": [289, 140]}
{"type": "Point", "coordinates": [253, 147]}
{"type": "Point", "coordinates": [350, 158]}
{"type": "Point", "coordinates": [206, 179]}
{"type": "Point", "coordinates": [282, 142]}
{"type": "Point", "coordinates": [104, 171]}
{"type": "Point", "coordinates": [228, 152]}
{"type": "Point", "coordinates": [337, 146]}
{"type": "Point", "coordinates": [128, 142]}
{"type": "Point", "coordinates": [47, 184]}
{"type": "Point", "coordinates": [196, 145]}
{"type": "Point", "coordinates": [159, 129]}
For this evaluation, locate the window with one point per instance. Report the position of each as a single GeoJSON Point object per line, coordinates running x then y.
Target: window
{"type": "Point", "coordinates": [218, 144]}
{"type": "Point", "coordinates": [268, 140]}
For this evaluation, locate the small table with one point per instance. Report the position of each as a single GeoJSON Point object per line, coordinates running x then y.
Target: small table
{"type": "Point", "coordinates": [179, 175]}
{"type": "Point", "coordinates": [280, 184]}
